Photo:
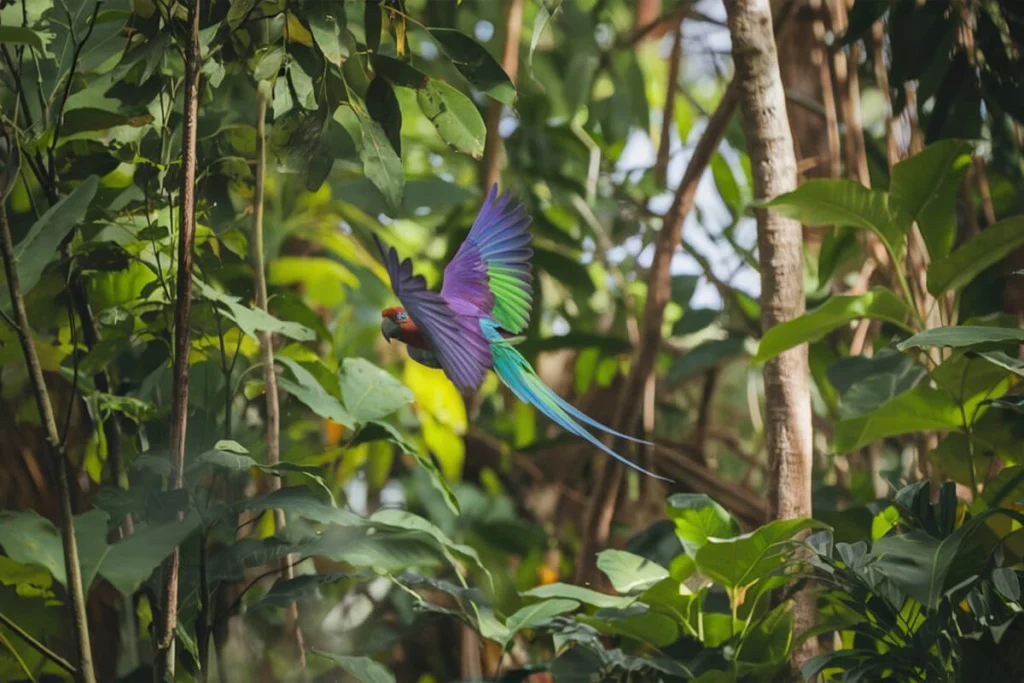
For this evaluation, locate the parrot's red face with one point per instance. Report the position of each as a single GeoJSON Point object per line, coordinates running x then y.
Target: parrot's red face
{"type": "Point", "coordinates": [396, 324]}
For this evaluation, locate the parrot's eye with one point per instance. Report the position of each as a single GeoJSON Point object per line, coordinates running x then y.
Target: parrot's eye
{"type": "Point", "coordinates": [402, 316]}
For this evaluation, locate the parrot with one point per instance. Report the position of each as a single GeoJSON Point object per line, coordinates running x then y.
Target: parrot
{"type": "Point", "coordinates": [474, 323]}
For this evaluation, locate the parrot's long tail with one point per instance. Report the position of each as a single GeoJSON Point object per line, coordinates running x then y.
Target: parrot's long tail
{"type": "Point", "coordinates": [516, 373]}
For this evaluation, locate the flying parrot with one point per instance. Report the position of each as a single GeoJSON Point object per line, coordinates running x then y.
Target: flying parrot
{"type": "Point", "coordinates": [470, 326]}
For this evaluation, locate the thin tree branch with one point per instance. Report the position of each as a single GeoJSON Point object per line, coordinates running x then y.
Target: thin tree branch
{"type": "Point", "coordinates": [267, 355]}
{"type": "Point", "coordinates": [71, 565]}
{"type": "Point", "coordinates": [163, 669]}
{"type": "Point", "coordinates": [38, 646]}
{"type": "Point", "coordinates": [489, 170]}
{"type": "Point", "coordinates": [668, 112]}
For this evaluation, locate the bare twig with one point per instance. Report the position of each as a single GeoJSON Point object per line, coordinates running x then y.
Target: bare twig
{"type": "Point", "coordinates": [163, 669]}
{"type": "Point", "coordinates": [668, 111]}
{"type": "Point", "coordinates": [267, 353]}
{"type": "Point", "coordinates": [71, 565]}
{"type": "Point", "coordinates": [510, 62]}
{"type": "Point", "coordinates": [38, 646]}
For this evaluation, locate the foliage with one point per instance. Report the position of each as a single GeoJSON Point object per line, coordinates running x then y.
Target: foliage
{"type": "Point", "coordinates": [417, 519]}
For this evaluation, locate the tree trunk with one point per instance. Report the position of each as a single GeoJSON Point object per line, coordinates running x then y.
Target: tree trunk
{"type": "Point", "coordinates": [786, 378]}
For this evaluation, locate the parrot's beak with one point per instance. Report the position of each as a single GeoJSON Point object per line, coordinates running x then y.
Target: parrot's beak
{"type": "Point", "coordinates": [388, 328]}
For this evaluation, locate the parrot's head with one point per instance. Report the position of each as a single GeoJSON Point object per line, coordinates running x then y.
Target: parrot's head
{"type": "Point", "coordinates": [394, 322]}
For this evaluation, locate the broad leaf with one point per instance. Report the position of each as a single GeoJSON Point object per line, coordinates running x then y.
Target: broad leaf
{"type": "Point", "coordinates": [879, 304]}
{"type": "Point", "coordinates": [699, 518]}
{"type": "Point", "coordinates": [311, 392]}
{"type": "Point", "coordinates": [455, 117]}
{"type": "Point", "coordinates": [475, 63]}
{"type": "Point", "coordinates": [304, 502]}
{"type": "Point", "coordinates": [579, 593]}
{"type": "Point", "coordinates": [963, 336]}
{"type": "Point", "coordinates": [924, 189]}
{"type": "Point", "coordinates": [629, 573]}
{"type": "Point", "coordinates": [249, 320]}
{"type": "Point", "coordinates": [841, 203]}
{"type": "Point", "coordinates": [130, 562]}
{"type": "Point", "coordinates": [370, 393]}
{"type": "Point", "coordinates": [740, 561]}
{"type": "Point", "coordinates": [638, 622]}
{"type": "Point", "coordinates": [538, 614]}
{"type": "Point", "coordinates": [38, 247]}
{"type": "Point", "coordinates": [326, 25]}
{"type": "Point", "coordinates": [988, 247]}
{"type": "Point", "coordinates": [398, 72]}
{"type": "Point", "coordinates": [362, 669]}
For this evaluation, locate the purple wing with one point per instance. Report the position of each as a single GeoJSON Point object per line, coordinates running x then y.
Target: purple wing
{"type": "Point", "coordinates": [456, 339]}
{"type": "Point", "coordinates": [491, 271]}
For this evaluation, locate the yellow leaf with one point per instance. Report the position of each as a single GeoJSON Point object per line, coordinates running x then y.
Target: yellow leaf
{"type": "Point", "coordinates": [436, 395]}
{"type": "Point", "coordinates": [297, 33]}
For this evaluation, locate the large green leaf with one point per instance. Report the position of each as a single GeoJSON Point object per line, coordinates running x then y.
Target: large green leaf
{"type": "Point", "coordinates": [538, 614]}
{"type": "Point", "coordinates": [924, 189]}
{"type": "Point", "coordinates": [699, 518]}
{"type": "Point", "coordinates": [880, 382]}
{"type": "Point", "coordinates": [251, 320]}
{"type": "Point", "coordinates": [130, 562]}
{"type": "Point", "coordinates": [988, 247]}
{"type": "Point", "coordinates": [740, 561]}
{"type": "Point", "coordinates": [381, 163]}
{"type": "Point", "coordinates": [303, 502]}
{"type": "Point", "coordinates": [879, 304]}
{"type": "Point", "coordinates": [475, 63]}
{"type": "Point", "coordinates": [921, 409]}
{"type": "Point", "coordinates": [629, 573]}
{"type": "Point", "coordinates": [703, 357]}
{"type": "Point", "coordinates": [455, 117]}
{"type": "Point", "coordinates": [400, 519]}
{"type": "Point", "coordinates": [963, 336]}
{"type": "Point", "coordinates": [370, 393]}
{"type": "Point", "coordinates": [766, 646]}
{"type": "Point", "coordinates": [398, 72]}
{"type": "Point", "coordinates": [311, 392]}
{"type": "Point", "coordinates": [362, 669]}
{"type": "Point", "coordinates": [383, 551]}
{"type": "Point", "coordinates": [639, 622]}
{"type": "Point", "coordinates": [579, 593]}
{"type": "Point", "coordinates": [925, 567]}
{"type": "Point", "coordinates": [20, 35]}
{"type": "Point", "coordinates": [39, 246]}
{"type": "Point", "coordinates": [841, 203]}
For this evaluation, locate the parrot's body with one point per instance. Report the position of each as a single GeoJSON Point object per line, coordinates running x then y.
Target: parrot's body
{"type": "Point", "coordinates": [470, 326]}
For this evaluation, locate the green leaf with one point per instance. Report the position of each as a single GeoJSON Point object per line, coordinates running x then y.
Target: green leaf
{"type": "Point", "coordinates": [740, 561]}
{"type": "Point", "coordinates": [21, 35]}
{"type": "Point", "coordinates": [130, 562]}
{"type": "Point", "coordinates": [629, 573]}
{"type": "Point", "coordinates": [704, 357]}
{"type": "Point", "coordinates": [475, 63]}
{"type": "Point", "coordinates": [987, 248]}
{"type": "Point", "coordinates": [546, 12]}
{"type": "Point", "coordinates": [383, 551]}
{"type": "Point", "coordinates": [923, 189]}
{"type": "Point", "coordinates": [398, 72]}
{"type": "Point", "coordinates": [1007, 583]}
{"type": "Point", "coordinates": [842, 203]}
{"type": "Point", "coordinates": [383, 108]}
{"type": "Point", "coordinates": [36, 249]}
{"type": "Point", "coordinates": [87, 119]}
{"type": "Point", "coordinates": [400, 519]}
{"type": "Point", "coordinates": [455, 117]}
{"type": "Point", "coordinates": [267, 61]}
{"type": "Point", "coordinates": [326, 25]}
{"type": "Point", "coordinates": [879, 304]}
{"type": "Point", "coordinates": [304, 502]}
{"type": "Point", "coordinates": [538, 614]}
{"type": "Point", "coordinates": [381, 163]}
{"type": "Point", "coordinates": [370, 393]}
{"type": "Point", "coordinates": [311, 392]}
{"type": "Point", "coordinates": [249, 320]}
{"type": "Point", "coordinates": [639, 622]}
{"type": "Point", "coordinates": [925, 567]}
{"type": "Point", "coordinates": [699, 518]}
{"type": "Point", "coordinates": [579, 593]}
{"type": "Point", "coordinates": [962, 336]}
{"type": "Point", "coordinates": [374, 431]}
{"type": "Point", "coordinates": [567, 269]}
{"type": "Point", "coordinates": [361, 668]}
{"type": "Point", "coordinates": [286, 591]}
{"type": "Point", "coordinates": [919, 410]}
{"type": "Point", "coordinates": [874, 390]}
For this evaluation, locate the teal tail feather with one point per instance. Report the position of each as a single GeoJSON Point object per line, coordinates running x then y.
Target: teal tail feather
{"type": "Point", "coordinates": [522, 380]}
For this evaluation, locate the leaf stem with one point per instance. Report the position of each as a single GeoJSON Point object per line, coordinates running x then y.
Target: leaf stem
{"type": "Point", "coordinates": [37, 645]}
